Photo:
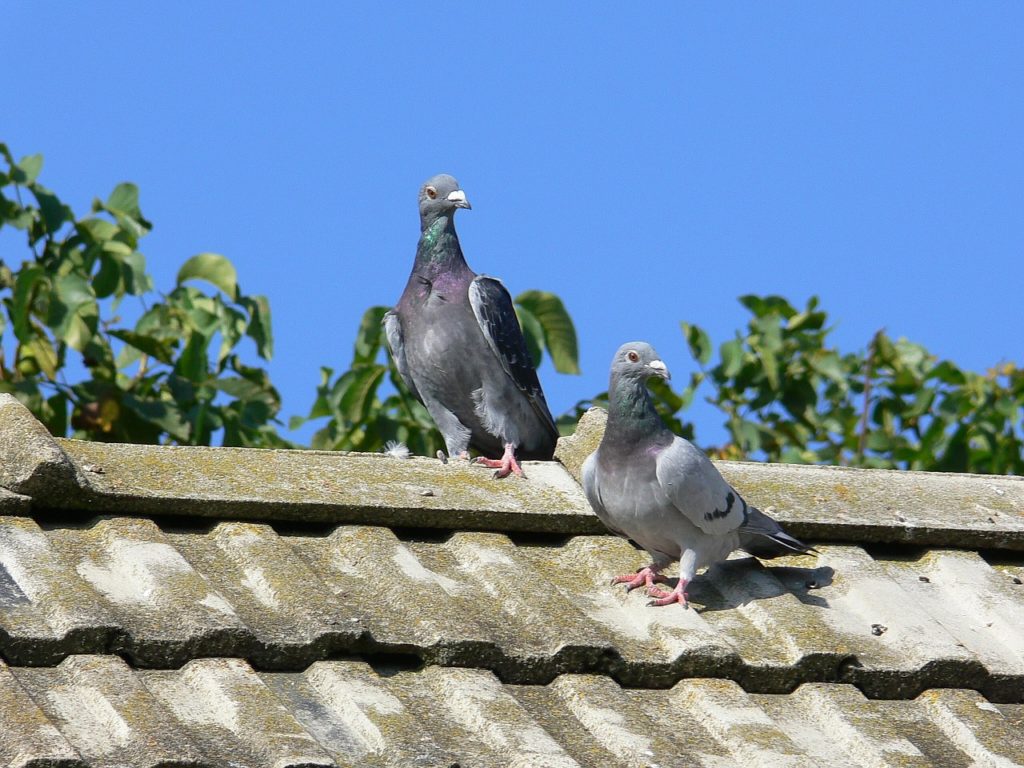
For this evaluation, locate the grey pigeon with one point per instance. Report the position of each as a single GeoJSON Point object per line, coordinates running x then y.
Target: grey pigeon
{"type": "Point", "coordinates": [456, 341]}
{"type": "Point", "coordinates": [652, 486]}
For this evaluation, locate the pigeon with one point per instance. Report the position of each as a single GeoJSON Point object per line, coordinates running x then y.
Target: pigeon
{"type": "Point", "coordinates": [650, 485]}
{"type": "Point", "coordinates": [458, 346]}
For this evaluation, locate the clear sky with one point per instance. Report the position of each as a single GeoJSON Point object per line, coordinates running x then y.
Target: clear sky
{"type": "Point", "coordinates": [648, 164]}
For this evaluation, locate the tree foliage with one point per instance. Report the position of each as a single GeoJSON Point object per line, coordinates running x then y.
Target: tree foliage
{"type": "Point", "coordinates": [175, 375]}
{"type": "Point", "coordinates": [789, 396]}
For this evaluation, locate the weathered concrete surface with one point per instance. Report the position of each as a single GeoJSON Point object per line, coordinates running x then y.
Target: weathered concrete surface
{"type": "Point", "coordinates": [324, 486]}
{"type": "Point", "coordinates": [96, 711]}
{"type": "Point", "coordinates": [874, 505]}
{"type": "Point", "coordinates": [14, 503]}
{"type": "Point", "coordinates": [31, 462]}
{"type": "Point", "coordinates": [819, 503]}
{"type": "Point", "coordinates": [574, 449]}
{"type": "Point", "coordinates": [27, 736]}
{"type": "Point", "coordinates": [528, 611]}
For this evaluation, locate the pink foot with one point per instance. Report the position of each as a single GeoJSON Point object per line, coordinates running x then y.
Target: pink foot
{"type": "Point", "coordinates": [677, 595]}
{"type": "Point", "coordinates": [645, 577]}
{"type": "Point", "coordinates": [506, 465]}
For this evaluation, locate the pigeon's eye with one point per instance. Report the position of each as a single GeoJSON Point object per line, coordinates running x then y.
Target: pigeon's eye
{"type": "Point", "coordinates": [632, 356]}
{"type": "Point", "coordinates": [431, 193]}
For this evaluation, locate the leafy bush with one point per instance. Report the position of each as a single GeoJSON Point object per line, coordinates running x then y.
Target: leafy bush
{"type": "Point", "coordinates": [155, 381]}
{"type": "Point", "coordinates": [789, 397]}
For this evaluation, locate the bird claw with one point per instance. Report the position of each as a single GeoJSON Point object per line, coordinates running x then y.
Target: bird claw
{"type": "Point", "coordinates": [505, 466]}
{"type": "Point", "coordinates": [441, 455]}
{"type": "Point", "coordinates": [645, 577]}
{"type": "Point", "coordinates": [677, 595]}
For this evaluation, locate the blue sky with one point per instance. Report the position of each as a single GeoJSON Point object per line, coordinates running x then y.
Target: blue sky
{"type": "Point", "coordinates": [648, 165]}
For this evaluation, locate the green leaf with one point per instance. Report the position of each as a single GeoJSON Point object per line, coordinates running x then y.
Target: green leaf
{"type": "Point", "coordinates": [768, 364]}
{"type": "Point", "coordinates": [160, 322]}
{"type": "Point", "coordinates": [767, 306]}
{"type": "Point", "coordinates": [81, 327]}
{"type": "Point", "coordinates": [731, 353]}
{"type": "Point", "coordinates": [73, 313]}
{"type": "Point", "coordinates": [358, 397]}
{"type": "Point", "coordinates": [241, 388]}
{"type": "Point", "coordinates": [24, 295]}
{"type": "Point", "coordinates": [699, 343]}
{"type": "Point", "coordinates": [74, 290]}
{"type": "Point", "coordinates": [116, 248]}
{"type": "Point", "coordinates": [125, 198]}
{"type": "Point", "coordinates": [164, 415]}
{"type": "Point", "coordinates": [108, 278]}
{"type": "Point", "coordinates": [40, 355]}
{"type": "Point", "coordinates": [53, 211]}
{"type": "Point", "coordinates": [96, 231]}
{"type": "Point", "coordinates": [828, 365]}
{"type": "Point", "coordinates": [133, 270]}
{"type": "Point", "coordinates": [260, 328]}
{"type": "Point", "coordinates": [370, 335]}
{"type": "Point", "coordinates": [27, 170]}
{"type": "Point", "coordinates": [214, 269]}
{"type": "Point", "coordinates": [747, 436]}
{"type": "Point", "coordinates": [201, 312]}
{"type": "Point", "coordinates": [193, 363]}
{"type": "Point", "coordinates": [533, 334]}
{"type": "Point", "coordinates": [155, 348]}
{"type": "Point", "coordinates": [948, 373]}
{"type": "Point", "coordinates": [807, 320]}
{"type": "Point", "coordinates": [559, 332]}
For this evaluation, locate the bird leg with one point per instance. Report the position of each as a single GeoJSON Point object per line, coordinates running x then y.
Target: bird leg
{"type": "Point", "coordinates": [677, 595]}
{"type": "Point", "coordinates": [506, 465]}
{"type": "Point", "coordinates": [645, 577]}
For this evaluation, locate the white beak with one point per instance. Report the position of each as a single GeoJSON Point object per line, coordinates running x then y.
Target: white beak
{"type": "Point", "coordinates": [659, 368]}
{"type": "Point", "coordinates": [459, 198]}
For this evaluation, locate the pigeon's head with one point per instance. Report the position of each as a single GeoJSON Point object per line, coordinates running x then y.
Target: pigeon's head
{"type": "Point", "coordinates": [439, 196]}
{"type": "Point", "coordinates": [638, 360]}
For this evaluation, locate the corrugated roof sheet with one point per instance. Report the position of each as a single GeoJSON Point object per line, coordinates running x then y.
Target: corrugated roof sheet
{"type": "Point", "coordinates": [165, 606]}
{"type": "Point", "coordinates": [100, 711]}
{"type": "Point", "coordinates": [528, 610]}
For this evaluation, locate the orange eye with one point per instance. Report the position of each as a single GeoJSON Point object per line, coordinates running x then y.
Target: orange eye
{"type": "Point", "coordinates": [431, 193]}
{"type": "Point", "coordinates": [632, 356]}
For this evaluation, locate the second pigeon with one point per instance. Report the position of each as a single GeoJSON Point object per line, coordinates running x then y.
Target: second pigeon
{"type": "Point", "coordinates": [650, 485]}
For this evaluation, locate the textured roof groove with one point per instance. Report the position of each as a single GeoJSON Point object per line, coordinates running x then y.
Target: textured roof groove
{"type": "Point", "coordinates": [528, 613]}
{"type": "Point", "coordinates": [96, 711]}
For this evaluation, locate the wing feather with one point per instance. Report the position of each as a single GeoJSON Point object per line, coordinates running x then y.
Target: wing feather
{"type": "Point", "coordinates": [494, 311]}
{"type": "Point", "coordinates": [396, 344]}
{"type": "Point", "coordinates": [698, 490]}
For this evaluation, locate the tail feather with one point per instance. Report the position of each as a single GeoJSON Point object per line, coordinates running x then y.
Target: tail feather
{"type": "Point", "coordinates": [763, 537]}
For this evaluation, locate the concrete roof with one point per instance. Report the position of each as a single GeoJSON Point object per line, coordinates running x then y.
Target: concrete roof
{"type": "Point", "coordinates": [197, 606]}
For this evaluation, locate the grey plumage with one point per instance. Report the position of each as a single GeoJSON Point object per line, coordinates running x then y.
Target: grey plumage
{"type": "Point", "coordinates": [658, 489]}
{"type": "Point", "coordinates": [457, 343]}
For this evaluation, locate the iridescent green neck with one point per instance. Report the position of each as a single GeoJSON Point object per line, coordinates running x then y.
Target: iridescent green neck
{"type": "Point", "coordinates": [439, 244]}
{"type": "Point", "coordinates": [631, 413]}
{"type": "Point", "coordinates": [432, 232]}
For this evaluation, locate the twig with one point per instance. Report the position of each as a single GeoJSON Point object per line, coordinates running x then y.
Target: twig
{"type": "Point", "coordinates": [869, 364]}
